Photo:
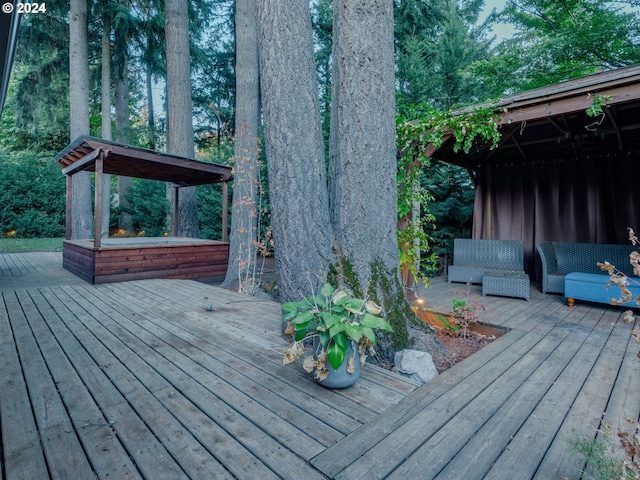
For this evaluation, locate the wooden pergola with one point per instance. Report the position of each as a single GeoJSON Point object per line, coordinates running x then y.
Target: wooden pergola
{"type": "Point", "coordinates": [106, 157]}
{"type": "Point", "coordinates": [84, 256]}
{"type": "Point", "coordinates": [559, 174]}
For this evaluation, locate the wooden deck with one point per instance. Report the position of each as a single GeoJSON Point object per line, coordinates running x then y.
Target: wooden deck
{"type": "Point", "coordinates": [139, 380]}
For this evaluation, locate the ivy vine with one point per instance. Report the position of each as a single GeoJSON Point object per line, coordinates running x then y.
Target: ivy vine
{"type": "Point", "coordinates": [419, 134]}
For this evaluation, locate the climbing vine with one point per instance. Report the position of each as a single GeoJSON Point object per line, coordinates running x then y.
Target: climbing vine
{"type": "Point", "coordinates": [419, 134]}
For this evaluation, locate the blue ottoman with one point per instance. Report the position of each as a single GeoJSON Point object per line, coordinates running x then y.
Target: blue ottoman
{"type": "Point", "coordinates": [592, 287]}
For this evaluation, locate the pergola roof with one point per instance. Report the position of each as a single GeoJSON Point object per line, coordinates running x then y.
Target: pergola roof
{"type": "Point", "coordinates": [126, 160]}
{"type": "Point", "coordinates": [551, 121]}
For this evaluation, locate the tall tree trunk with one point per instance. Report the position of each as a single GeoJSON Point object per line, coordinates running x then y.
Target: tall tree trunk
{"type": "Point", "coordinates": [122, 127]}
{"type": "Point", "coordinates": [81, 215]}
{"type": "Point", "coordinates": [246, 179]}
{"type": "Point", "coordinates": [294, 147]}
{"type": "Point", "coordinates": [363, 189]}
{"type": "Point", "coordinates": [106, 119]}
{"type": "Point", "coordinates": [151, 114]}
{"type": "Point", "coordinates": [179, 105]}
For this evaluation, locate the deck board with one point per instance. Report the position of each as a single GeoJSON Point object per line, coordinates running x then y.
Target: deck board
{"type": "Point", "coordinates": [138, 380]}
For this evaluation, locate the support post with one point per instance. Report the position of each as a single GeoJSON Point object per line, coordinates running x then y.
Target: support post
{"type": "Point", "coordinates": [175, 211]}
{"type": "Point", "coordinates": [97, 202]}
{"type": "Point", "coordinates": [67, 214]}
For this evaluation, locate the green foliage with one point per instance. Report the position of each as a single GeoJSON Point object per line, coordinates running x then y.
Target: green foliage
{"type": "Point", "coordinates": [599, 101]}
{"type": "Point", "coordinates": [210, 211]}
{"type": "Point", "coordinates": [335, 318]}
{"type": "Point", "coordinates": [32, 195]}
{"type": "Point", "coordinates": [414, 135]}
{"type": "Point", "coordinates": [37, 108]}
{"type": "Point", "coordinates": [148, 207]}
{"type": "Point", "coordinates": [600, 459]}
{"type": "Point", "coordinates": [435, 42]}
{"type": "Point", "coordinates": [451, 205]}
{"type": "Point", "coordinates": [452, 327]}
{"type": "Point", "coordinates": [555, 41]}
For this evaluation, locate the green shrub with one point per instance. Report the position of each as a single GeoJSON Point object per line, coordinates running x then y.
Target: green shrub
{"type": "Point", "coordinates": [32, 195]}
{"type": "Point", "coordinates": [148, 207]}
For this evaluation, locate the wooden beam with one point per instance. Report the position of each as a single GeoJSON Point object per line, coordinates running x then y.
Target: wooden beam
{"type": "Point", "coordinates": [81, 164]}
{"type": "Point", "coordinates": [561, 106]}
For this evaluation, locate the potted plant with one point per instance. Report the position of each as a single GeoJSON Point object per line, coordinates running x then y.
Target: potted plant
{"type": "Point", "coordinates": [342, 329]}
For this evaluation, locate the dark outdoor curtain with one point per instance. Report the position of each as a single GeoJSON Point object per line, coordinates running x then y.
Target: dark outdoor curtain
{"type": "Point", "coordinates": [587, 199]}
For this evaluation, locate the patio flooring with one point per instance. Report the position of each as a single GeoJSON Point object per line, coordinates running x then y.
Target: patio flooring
{"type": "Point", "coordinates": [139, 380]}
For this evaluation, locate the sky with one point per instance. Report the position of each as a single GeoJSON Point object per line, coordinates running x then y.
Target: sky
{"type": "Point", "coordinates": [501, 30]}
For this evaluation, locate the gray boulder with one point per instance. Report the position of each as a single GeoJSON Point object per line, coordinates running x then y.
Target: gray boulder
{"type": "Point", "coordinates": [417, 364]}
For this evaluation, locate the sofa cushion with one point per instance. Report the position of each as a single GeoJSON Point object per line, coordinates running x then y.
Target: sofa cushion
{"type": "Point", "coordinates": [593, 287]}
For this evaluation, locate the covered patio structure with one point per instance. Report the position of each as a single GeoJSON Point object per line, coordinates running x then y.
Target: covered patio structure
{"type": "Point", "coordinates": [559, 174]}
{"type": "Point", "coordinates": [101, 260]}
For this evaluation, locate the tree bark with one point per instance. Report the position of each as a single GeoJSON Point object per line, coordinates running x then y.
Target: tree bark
{"type": "Point", "coordinates": [122, 127]}
{"type": "Point", "coordinates": [363, 188]}
{"type": "Point", "coordinates": [106, 119]}
{"type": "Point", "coordinates": [294, 147]}
{"type": "Point", "coordinates": [179, 106]}
{"type": "Point", "coordinates": [81, 215]}
{"type": "Point", "coordinates": [246, 180]}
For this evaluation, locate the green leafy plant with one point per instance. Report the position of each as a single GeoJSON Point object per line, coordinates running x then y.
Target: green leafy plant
{"type": "Point", "coordinates": [599, 101]}
{"type": "Point", "coordinates": [335, 319]}
{"type": "Point", "coordinates": [600, 459]}
{"type": "Point", "coordinates": [452, 327]}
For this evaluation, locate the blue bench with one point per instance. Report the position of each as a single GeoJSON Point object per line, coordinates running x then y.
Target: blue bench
{"type": "Point", "coordinates": [592, 288]}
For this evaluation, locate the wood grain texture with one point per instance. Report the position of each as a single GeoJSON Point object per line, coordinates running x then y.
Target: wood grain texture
{"type": "Point", "coordinates": [139, 380]}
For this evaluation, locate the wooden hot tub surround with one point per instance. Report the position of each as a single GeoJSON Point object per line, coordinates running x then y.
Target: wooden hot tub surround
{"type": "Point", "coordinates": [101, 260]}
{"type": "Point", "coordinates": [169, 257]}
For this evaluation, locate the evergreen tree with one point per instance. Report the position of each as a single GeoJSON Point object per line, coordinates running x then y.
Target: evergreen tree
{"type": "Point", "coordinates": [555, 41]}
{"type": "Point", "coordinates": [36, 113]}
{"type": "Point", "coordinates": [436, 42]}
{"type": "Point", "coordinates": [294, 147]}
{"type": "Point", "coordinates": [179, 108]}
{"type": "Point", "coordinates": [362, 163]}
{"type": "Point", "coordinates": [81, 211]}
{"type": "Point", "coordinates": [246, 182]}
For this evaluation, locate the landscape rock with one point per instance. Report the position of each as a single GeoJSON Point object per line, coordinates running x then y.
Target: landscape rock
{"type": "Point", "coordinates": [418, 365]}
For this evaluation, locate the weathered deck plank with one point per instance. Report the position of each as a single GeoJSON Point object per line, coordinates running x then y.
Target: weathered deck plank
{"type": "Point", "coordinates": [144, 362]}
{"type": "Point", "coordinates": [138, 380]}
{"type": "Point", "coordinates": [23, 457]}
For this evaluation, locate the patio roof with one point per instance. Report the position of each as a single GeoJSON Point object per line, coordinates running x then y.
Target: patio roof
{"type": "Point", "coordinates": [130, 161]}
{"type": "Point", "coordinates": [106, 157]}
{"type": "Point", "coordinates": [551, 121]}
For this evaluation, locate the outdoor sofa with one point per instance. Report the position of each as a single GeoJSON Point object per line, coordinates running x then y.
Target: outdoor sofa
{"type": "Point", "coordinates": [473, 258]}
{"type": "Point", "coordinates": [572, 269]}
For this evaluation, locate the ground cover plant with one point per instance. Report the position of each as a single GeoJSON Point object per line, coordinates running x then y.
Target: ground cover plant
{"type": "Point", "coordinates": [19, 245]}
